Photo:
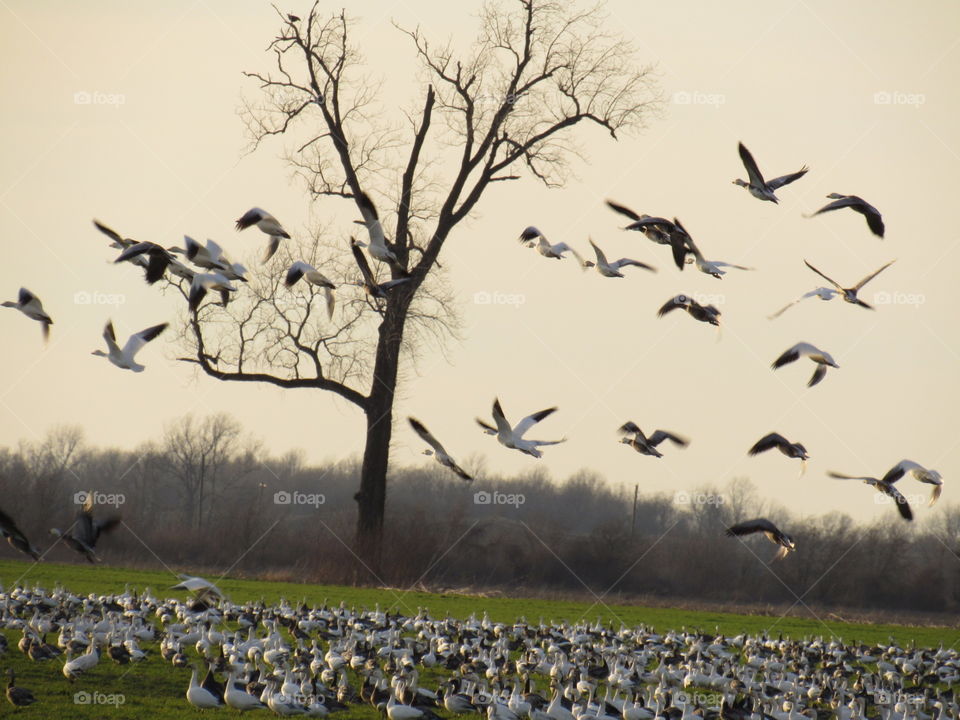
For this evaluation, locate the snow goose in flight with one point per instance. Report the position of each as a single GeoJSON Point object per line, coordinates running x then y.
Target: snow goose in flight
{"type": "Point", "coordinates": [158, 258]}
{"type": "Point", "coordinates": [757, 186]}
{"type": "Point", "coordinates": [872, 215]}
{"type": "Point", "coordinates": [118, 242]}
{"type": "Point", "coordinates": [671, 231]}
{"type": "Point", "coordinates": [370, 284]}
{"type": "Point", "coordinates": [778, 441]}
{"type": "Point", "coordinates": [634, 437]}
{"type": "Point", "coordinates": [83, 535]}
{"type": "Point", "coordinates": [210, 257]}
{"type": "Point", "coordinates": [919, 472]}
{"type": "Point", "coordinates": [612, 269]}
{"type": "Point", "coordinates": [771, 531]}
{"type": "Point", "coordinates": [438, 450]}
{"type": "Point", "coordinates": [312, 276]}
{"type": "Point", "coordinates": [708, 267]}
{"type": "Point", "coordinates": [513, 437]}
{"type": "Point", "coordinates": [658, 233]}
{"type": "Point", "coordinates": [125, 359]}
{"type": "Point", "coordinates": [886, 487]}
{"type": "Point", "coordinates": [703, 313]}
{"type": "Point", "coordinates": [200, 587]}
{"type": "Point", "coordinates": [377, 247]}
{"type": "Point", "coordinates": [544, 247]}
{"type": "Point", "coordinates": [850, 294]}
{"type": "Point", "coordinates": [802, 349]}
{"type": "Point", "coordinates": [267, 224]}
{"type": "Point", "coordinates": [204, 282]}
{"type": "Point", "coordinates": [30, 305]}
{"type": "Point", "coordinates": [16, 538]}
{"type": "Point", "coordinates": [824, 293]}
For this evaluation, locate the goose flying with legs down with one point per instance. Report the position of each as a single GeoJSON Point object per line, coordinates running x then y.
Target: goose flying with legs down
{"type": "Point", "coordinates": [872, 215]}
{"type": "Point", "coordinates": [703, 313]}
{"type": "Point", "coordinates": [267, 224]}
{"type": "Point", "coordinates": [757, 186]}
{"type": "Point", "coordinates": [312, 276]}
{"type": "Point", "coordinates": [850, 294]}
{"type": "Point", "coordinates": [438, 450]}
{"type": "Point", "coordinates": [30, 305]}
{"type": "Point", "coordinates": [802, 349]}
{"type": "Point", "coordinates": [612, 269]}
{"type": "Point", "coordinates": [16, 538]}
{"type": "Point", "coordinates": [919, 472]}
{"type": "Point", "coordinates": [778, 441]}
{"type": "Point", "coordinates": [886, 487]}
{"type": "Point", "coordinates": [369, 283]}
{"type": "Point", "coordinates": [544, 247]}
{"type": "Point", "coordinates": [634, 437]}
{"type": "Point", "coordinates": [377, 247]}
{"type": "Point", "coordinates": [771, 531]}
{"type": "Point", "coordinates": [513, 437]}
{"type": "Point", "coordinates": [126, 358]}
{"type": "Point", "coordinates": [83, 535]}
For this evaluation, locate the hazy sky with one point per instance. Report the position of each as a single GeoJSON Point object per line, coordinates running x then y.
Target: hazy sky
{"type": "Point", "coordinates": [864, 93]}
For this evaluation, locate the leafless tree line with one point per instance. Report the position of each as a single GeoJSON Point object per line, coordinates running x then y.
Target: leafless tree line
{"type": "Point", "coordinates": [207, 497]}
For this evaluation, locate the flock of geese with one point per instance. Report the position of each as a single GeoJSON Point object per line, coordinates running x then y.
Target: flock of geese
{"type": "Point", "coordinates": [295, 660]}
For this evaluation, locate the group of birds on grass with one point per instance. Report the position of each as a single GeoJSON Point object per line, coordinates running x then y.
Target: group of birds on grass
{"type": "Point", "coordinates": [313, 661]}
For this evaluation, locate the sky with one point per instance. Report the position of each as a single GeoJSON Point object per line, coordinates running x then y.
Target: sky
{"type": "Point", "coordinates": [128, 112]}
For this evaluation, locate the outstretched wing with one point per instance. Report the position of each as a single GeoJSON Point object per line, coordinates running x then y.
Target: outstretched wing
{"type": "Point", "coordinates": [767, 442]}
{"type": "Point", "coordinates": [829, 280]}
{"type": "Point", "coordinates": [872, 275]}
{"type": "Point", "coordinates": [660, 435]}
{"type": "Point", "coordinates": [753, 172]}
{"type": "Point", "coordinates": [622, 210]}
{"type": "Point", "coordinates": [425, 435]}
{"type": "Point", "coordinates": [137, 341]}
{"type": "Point", "coordinates": [779, 182]}
{"type": "Point", "coordinates": [530, 420]}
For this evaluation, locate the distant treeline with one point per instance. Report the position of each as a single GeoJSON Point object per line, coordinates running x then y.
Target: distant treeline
{"type": "Point", "coordinates": [205, 496]}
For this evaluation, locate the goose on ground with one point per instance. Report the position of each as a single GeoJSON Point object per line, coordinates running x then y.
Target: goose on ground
{"type": "Point", "coordinates": [158, 258]}
{"type": "Point", "coordinates": [126, 358]}
{"type": "Point", "coordinates": [919, 472]}
{"type": "Point", "coordinates": [778, 441]}
{"type": "Point", "coordinates": [802, 349]}
{"type": "Point", "coordinates": [377, 247]}
{"type": "Point", "coordinates": [312, 276]}
{"type": "Point", "coordinates": [239, 699]}
{"type": "Point", "coordinates": [370, 284]}
{"type": "Point", "coordinates": [82, 536]}
{"type": "Point", "coordinates": [544, 247]}
{"type": "Point", "coordinates": [770, 531]}
{"type": "Point", "coordinates": [824, 293]}
{"type": "Point", "coordinates": [75, 667]}
{"type": "Point", "coordinates": [513, 437]}
{"type": "Point", "coordinates": [612, 269]}
{"type": "Point", "coordinates": [16, 538]}
{"type": "Point", "coordinates": [757, 186]}
{"type": "Point", "coordinates": [438, 450]}
{"type": "Point", "coordinates": [872, 215]}
{"type": "Point", "coordinates": [703, 313]}
{"type": "Point", "coordinates": [199, 696]}
{"type": "Point", "coordinates": [634, 437]}
{"type": "Point", "coordinates": [887, 488]}
{"type": "Point", "coordinates": [203, 283]}
{"type": "Point", "coordinates": [267, 224]}
{"type": "Point", "coordinates": [850, 294]}
{"type": "Point", "coordinates": [18, 696]}
{"type": "Point", "coordinates": [30, 305]}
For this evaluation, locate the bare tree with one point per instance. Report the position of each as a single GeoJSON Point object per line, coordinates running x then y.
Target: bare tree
{"type": "Point", "coordinates": [537, 69]}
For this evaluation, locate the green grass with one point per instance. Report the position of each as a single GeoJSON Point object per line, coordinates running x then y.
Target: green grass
{"type": "Point", "coordinates": [154, 689]}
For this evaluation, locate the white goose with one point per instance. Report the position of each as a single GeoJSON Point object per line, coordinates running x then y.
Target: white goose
{"type": "Point", "coordinates": [74, 668]}
{"type": "Point", "coordinates": [438, 452]}
{"type": "Point", "coordinates": [544, 247]}
{"type": "Point", "coordinates": [198, 586]}
{"type": "Point", "coordinates": [612, 269]}
{"type": "Point", "coordinates": [312, 276]}
{"type": "Point", "coordinates": [378, 242]}
{"type": "Point", "coordinates": [203, 283]}
{"type": "Point", "coordinates": [802, 349]}
{"type": "Point", "coordinates": [126, 358]}
{"type": "Point", "coordinates": [239, 699]}
{"type": "Point", "coordinates": [210, 257]}
{"type": "Point", "coordinates": [30, 305]}
{"type": "Point", "coordinates": [266, 223]}
{"type": "Point", "coordinates": [919, 472]}
{"type": "Point", "coordinates": [199, 696]}
{"type": "Point", "coordinates": [824, 293]}
{"type": "Point", "coordinates": [513, 437]}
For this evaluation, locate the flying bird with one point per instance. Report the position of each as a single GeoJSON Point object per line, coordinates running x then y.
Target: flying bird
{"type": "Point", "coordinates": [778, 441]}
{"type": "Point", "coordinates": [203, 589]}
{"type": "Point", "coordinates": [83, 535]}
{"type": "Point", "coordinates": [377, 247]}
{"type": "Point", "coordinates": [513, 437]}
{"type": "Point", "coordinates": [872, 215]}
{"type": "Point", "coordinates": [438, 450]}
{"type": "Point", "coordinates": [824, 293]}
{"type": "Point", "coordinates": [634, 437]}
{"type": "Point", "coordinates": [117, 241]}
{"type": "Point", "coordinates": [771, 531]}
{"type": "Point", "coordinates": [370, 284]}
{"type": "Point", "coordinates": [312, 276]}
{"type": "Point", "coordinates": [908, 467]}
{"type": "Point", "coordinates": [802, 349]}
{"type": "Point", "coordinates": [204, 282]}
{"type": "Point", "coordinates": [267, 224]}
{"type": "Point", "coordinates": [16, 538]}
{"type": "Point", "coordinates": [850, 294]}
{"type": "Point", "coordinates": [665, 232]}
{"type": "Point", "coordinates": [544, 247]}
{"type": "Point", "coordinates": [158, 258]}
{"type": "Point", "coordinates": [703, 313]}
{"type": "Point", "coordinates": [757, 186]}
{"type": "Point", "coordinates": [210, 257]}
{"type": "Point", "coordinates": [30, 305]}
{"type": "Point", "coordinates": [658, 231]}
{"type": "Point", "coordinates": [125, 359]}
{"type": "Point", "coordinates": [884, 486]}
{"type": "Point", "coordinates": [612, 269]}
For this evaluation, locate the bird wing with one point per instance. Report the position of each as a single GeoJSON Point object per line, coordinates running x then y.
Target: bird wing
{"type": "Point", "coordinates": [749, 527]}
{"type": "Point", "coordinates": [793, 354]}
{"type": "Point", "coordinates": [562, 247]}
{"type": "Point", "coordinates": [500, 419]}
{"type": "Point", "coordinates": [111, 337]}
{"type": "Point", "coordinates": [872, 275]}
{"type": "Point", "coordinates": [601, 258]}
{"type": "Point", "coordinates": [295, 272]}
{"type": "Point", "coordinates": [680, 301]}
{"type": "Point", "coordinates": [426, 436]}
{"type": "Point", "coordinates": [779, 182]}
{"type": "Point", "coordinates": [251, 217]}
{"type": "Point", "coordinates": [138, 340]}
{"type": "Point", "coordinates": [818, 374]}
{"type": "Point", "coordinates": [133, 250]}
{"type": "Point", "coordinates": [486, 426]}
{"type": "Point", "coordinates": [272, 246]}
{"type": "Point", "coordinates": [829, 280]}
{"type": "Point", "coordinates": [874, 220]}
{"type": "Point", "coordinates": [530, 233]}
{"type": "Point", "coordinates": [83, 527]}
{"type": "Point", "coordinates": [897, 472]}
{"type": "Point", "coordinates": [660, 222]}
{"type": "Point", "coordinates": [902, 505]}
{"type": "Point", "coordinates": [25, 297]}
{"type": "Point", "coordinates": [768, 441]}
{"type": "Point", "coordinates": [631, 428]}
{"type": "Point", "coordinates": [753, 172]}
{"type": "Point", "coordinates": [371, 220]}
{"type": "Point", "coordinates": [331, 301]}
{"type": "Point", "coordinates": [845, 201]}
{"type": "Point", "coordinates": [624, 262]}
{"type": "Point", "coordinates": [660, 435]}
{"type": "Point", "coordinates": [622, 210]}
{"type": "Point", "coordinates": [102, 527]}
{"type": "Point", "coordinates": [368, 278]}
{"type": "Point", "coordinates": [841, 476]}
{"type": "Point", "coordinates": [110, 233]}
{"type": "Point", "coordinates": [530, 420]}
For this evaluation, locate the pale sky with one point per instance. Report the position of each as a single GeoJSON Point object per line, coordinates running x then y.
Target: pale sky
{"type": "Point", "coordinates": [864, 93]}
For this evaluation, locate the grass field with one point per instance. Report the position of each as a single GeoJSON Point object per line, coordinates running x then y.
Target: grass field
{"type": "Point", "coordinates": [154, 689]}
